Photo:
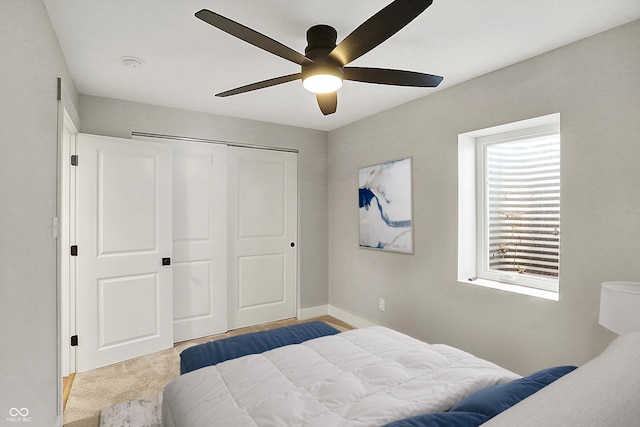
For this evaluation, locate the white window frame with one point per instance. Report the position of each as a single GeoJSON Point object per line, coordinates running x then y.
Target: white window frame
{"type": "Point", "coordinates": [472, 250]}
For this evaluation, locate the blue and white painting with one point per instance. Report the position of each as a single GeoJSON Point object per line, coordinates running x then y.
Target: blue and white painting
{"type": "Point", "coordinates": [385, 206]}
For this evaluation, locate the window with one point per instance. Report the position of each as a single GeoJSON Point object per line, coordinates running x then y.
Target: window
{"type": "Point", "coordinates": [509, 178]}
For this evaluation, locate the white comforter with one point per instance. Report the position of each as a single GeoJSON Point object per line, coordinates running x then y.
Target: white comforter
{"type": "Point", "coordinates": [363, 377]}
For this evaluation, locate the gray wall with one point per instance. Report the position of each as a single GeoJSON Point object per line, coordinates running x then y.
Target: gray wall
{"type": "Point", "coordinates": [595, 85]}
{"type": "Point", "coordinates": [31, 62]}
{"type": "Point", "coordinates": [104, 116]}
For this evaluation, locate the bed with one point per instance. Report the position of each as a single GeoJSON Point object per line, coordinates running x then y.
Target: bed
{"type": "Point", "coordinates": [364, 377]}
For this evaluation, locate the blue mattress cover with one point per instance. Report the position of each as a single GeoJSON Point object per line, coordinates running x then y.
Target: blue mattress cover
{"type": "Point", "coordinates": [214, 352]}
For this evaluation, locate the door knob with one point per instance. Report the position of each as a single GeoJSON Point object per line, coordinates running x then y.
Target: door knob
{"type": "Point", "coordinates": [293, 244]}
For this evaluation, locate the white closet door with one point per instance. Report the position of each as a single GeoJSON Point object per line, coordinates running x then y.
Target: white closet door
{"type": "Point", "coordinates": [124, 293]}
{"type": "Point", "coordinates": [199, 240]}
{"type": "Point", "coordinates": [262, 236]}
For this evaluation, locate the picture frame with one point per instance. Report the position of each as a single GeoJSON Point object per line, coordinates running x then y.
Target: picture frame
{"type": "Point", "coordinates": [385, 196]}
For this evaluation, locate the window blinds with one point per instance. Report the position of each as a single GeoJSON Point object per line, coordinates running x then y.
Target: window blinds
{"type": "Point", "coordinates": [523, 205]}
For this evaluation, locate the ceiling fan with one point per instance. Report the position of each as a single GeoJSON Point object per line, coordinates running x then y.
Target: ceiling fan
{"type": "Point", "coordinates": [324, 63]}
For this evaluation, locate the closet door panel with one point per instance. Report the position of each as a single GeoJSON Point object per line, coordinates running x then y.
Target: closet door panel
{"type": "Point", "coordinates": [262, 236]}
{"type": "Point", "coordinates": [199, 240]}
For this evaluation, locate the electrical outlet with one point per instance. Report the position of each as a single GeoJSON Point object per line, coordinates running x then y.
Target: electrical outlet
{"type": "Point", "coordinates": [381, 304]}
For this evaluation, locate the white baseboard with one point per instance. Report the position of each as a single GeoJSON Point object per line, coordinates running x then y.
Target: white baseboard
{"type": "Point", "coordinates": [338, 313]}
{"type": "Point", "coordinates": [311, 312]}
{"type": "Point", "coordinates": [349, 318]}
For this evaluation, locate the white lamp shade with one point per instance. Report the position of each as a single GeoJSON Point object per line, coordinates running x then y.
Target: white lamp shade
{"type": "Point", "coordinates": [620, 307]}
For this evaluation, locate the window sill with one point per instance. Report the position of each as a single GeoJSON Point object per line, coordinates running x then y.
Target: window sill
{"type": "Point", "coordinates": [523, 290]}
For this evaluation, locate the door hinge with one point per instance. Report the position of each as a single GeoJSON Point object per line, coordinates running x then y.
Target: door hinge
{"type": "Point", "coordinates": [74, 160]}
{"type": "Point", "coordinates": [74, 341]}
{"type": "Point", "coordinates": [74, 250]}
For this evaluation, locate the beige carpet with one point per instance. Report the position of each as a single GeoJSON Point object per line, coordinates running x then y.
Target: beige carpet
{"type": "Point", "coordinates": [133, 379]}
{"type": "Point", "coordinates": [140, 378]}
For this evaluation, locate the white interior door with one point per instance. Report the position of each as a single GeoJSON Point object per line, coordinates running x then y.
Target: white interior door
{"type": "Point", "coordinates": [262, 236]}
{"type": "Point", "coordinates": [199, 240]}
{"type": "Point", "coordinates": [124, 293]}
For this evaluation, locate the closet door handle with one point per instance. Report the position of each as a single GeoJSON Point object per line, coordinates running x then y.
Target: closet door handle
{"type": "Point", "coordinates": [293, 244]}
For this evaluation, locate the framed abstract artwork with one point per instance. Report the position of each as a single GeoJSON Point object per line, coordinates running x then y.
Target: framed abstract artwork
{"type": "Point", "coordinates": [386, 208]}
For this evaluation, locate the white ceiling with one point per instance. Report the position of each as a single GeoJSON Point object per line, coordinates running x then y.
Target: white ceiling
{"type": "Point", "coordinates": [187, 61]}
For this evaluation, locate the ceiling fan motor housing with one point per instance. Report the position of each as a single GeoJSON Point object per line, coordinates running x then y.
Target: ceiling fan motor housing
{"type": "Point", "coordinates": [321, 40]}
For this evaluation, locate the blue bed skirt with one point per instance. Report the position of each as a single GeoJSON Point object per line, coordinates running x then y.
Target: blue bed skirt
{"type": "Point", "coordinates": [214, 352]}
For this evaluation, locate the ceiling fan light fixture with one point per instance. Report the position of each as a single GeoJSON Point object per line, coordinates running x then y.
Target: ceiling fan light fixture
{"type": "Point", "coordinates": [322, 83]}
{"type": "Point", "coordinates": [321, 78]}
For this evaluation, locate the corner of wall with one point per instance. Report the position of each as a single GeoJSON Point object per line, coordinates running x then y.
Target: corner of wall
{"type": "Point", "coordinates": [349, 318]}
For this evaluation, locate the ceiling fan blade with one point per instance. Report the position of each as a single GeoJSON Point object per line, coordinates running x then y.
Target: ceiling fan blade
{"type": "Point", "coordinates": [328, 102]}
{"type": "Point", "coordinates": [252, 37]}
{"type": "Point", "coordinates": [385, 76]}
{"type": "Point", "coordinates": [260, 85]}
{"type": "Point", "coordinates": [378, 28]}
